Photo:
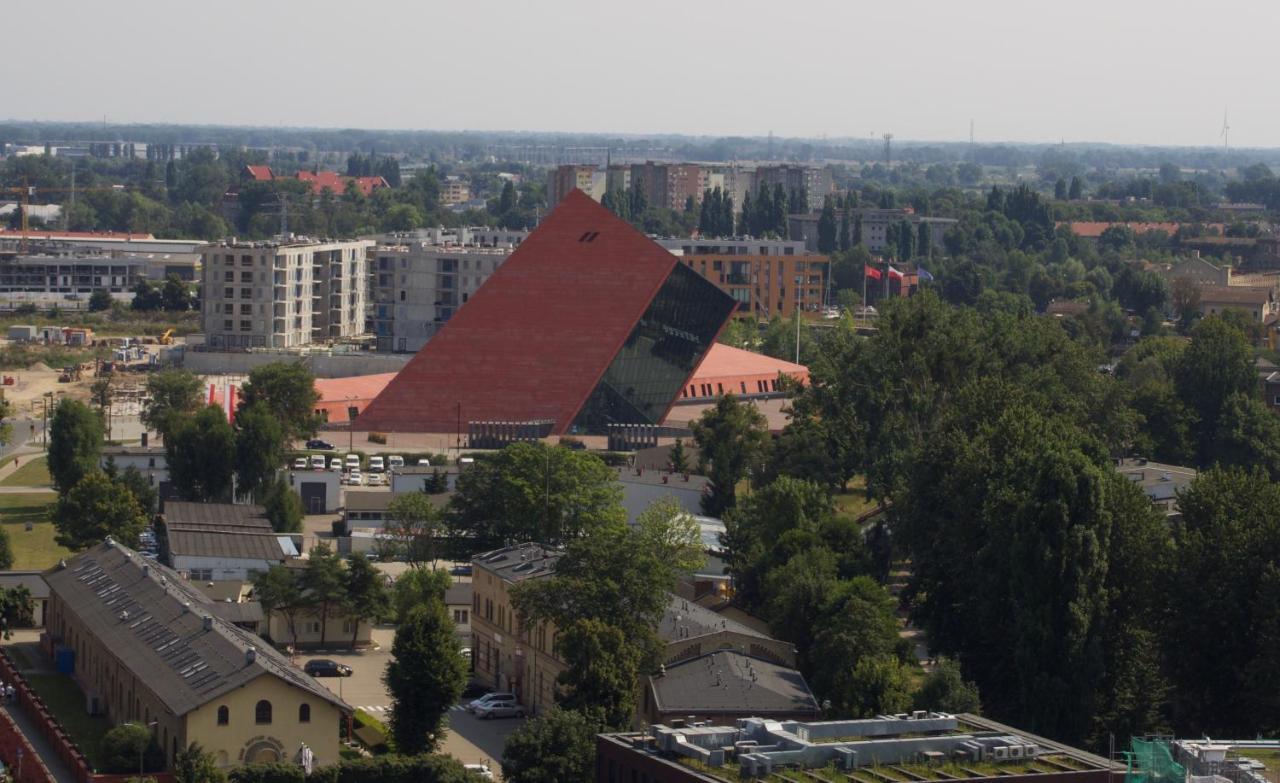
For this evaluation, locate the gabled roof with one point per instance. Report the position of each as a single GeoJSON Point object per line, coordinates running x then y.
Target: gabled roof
{"type": "Point", "coordinates": [728, 681]}
{"type": "Point", "coordinates": [239, 545]}
{"type": "Point", "coordinates": [322, 180]}
{"type": "Point", "coordinates": [1235, 294]}
{"type": "Point", "coordinates": [684, 619]}
{"type": "Point", "coordinates": [214, 516]}
{"type": "Point", "coordinates": [259, 173]}
{"type": "Point", "coordinates": [166, 632]}
{"type": "Point", "coordinates": [535, 340]}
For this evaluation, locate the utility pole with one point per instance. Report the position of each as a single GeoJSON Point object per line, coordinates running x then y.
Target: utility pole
{"type": "Point", "coordinates": [888, 149]}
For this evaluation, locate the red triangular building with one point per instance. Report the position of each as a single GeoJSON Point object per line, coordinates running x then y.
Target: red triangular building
{"type": "Point", "coordinates": [588, 323]}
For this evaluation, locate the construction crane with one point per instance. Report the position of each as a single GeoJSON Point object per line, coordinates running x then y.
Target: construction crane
{"type": "Point", "coordinates": [27, 192]}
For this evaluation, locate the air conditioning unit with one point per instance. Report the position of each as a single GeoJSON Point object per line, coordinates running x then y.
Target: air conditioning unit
{"type": "Point", "coordinates": [1001, 753]}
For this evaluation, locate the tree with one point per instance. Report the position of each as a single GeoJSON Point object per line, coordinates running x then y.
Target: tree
{"type": "Point", "coordinates": [557, 747]}
{"type": "Point", "coordinates": [279, 589]}
{"type": "Point", "coordinates": [146, 297]}
{"type": "Point", "coordinates": [174, 295]}
{"type": "Point", "coordinates": [366, 598]}
{"type": "Point", "coordinates": [100, 300]}
{"type": "Point", "coordinates": [601, 670]}
{"type": "Point", "coordinates": [857, 623]}
{"type": "Point", "coordinates": [945, 690]}
{"type": "Point", "coordinates": [132, 479]}
{"type": "Point", "coordinates": [877, 685]}
{"type": "Point", "coordinates": [417, 586]}
{"type": "Point", "coordinates": [732, 440]}
{"type": "Point", "coordinates": [100, 393]}
{"type": "Point", "coordinates": [827, 227]}
{"type": "Point", "coordinates": [259, 449]}
{"type": "Point", "coordinates": [424, 677]}
{"type": "Point", "coordinates": [171, 395]}
{"type": "Point", "coordinates": [1060, 189]}
{"type": "Point", "coordinates": [534, 492]}
{"type": "Point", "coordinates": [415, 526]}
{"type": "Point", "coordinates": [201, 456]}
{"type": "Point", "coordinates": [131, 747]}
{"type": "Point", "coordinates": [1216, 365]}
{"type": "Point", "coordinates": [324, 582]}
{"type": "Point", "coordinates": [15, 602]}
{"type": "Point", "coordinates": [1076, 191]}
{"type": "Point", "coordinates": [288, 391]}
{"type": "Point", "coordinates": [75, 443]}
{"type": "Point", "coordinates": [679, 458]}
{"type": "Point", "coordinates": [283, 507]}
{"type": "Point", "coordinates": [97, 507]}
{"type": "Point", "coordinates": [193, 765]}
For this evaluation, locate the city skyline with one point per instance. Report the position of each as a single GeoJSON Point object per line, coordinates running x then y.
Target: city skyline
{"type": "Point", "coordinates": [1133, 73]}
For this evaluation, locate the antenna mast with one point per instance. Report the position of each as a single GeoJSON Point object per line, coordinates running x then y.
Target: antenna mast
{"type": "Point", "coordinates": [1226, 132]}
{"type": "Point", "coordinates": [888, 149]}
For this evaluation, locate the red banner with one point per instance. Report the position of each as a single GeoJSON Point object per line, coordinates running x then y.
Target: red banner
{"type": "Point", "coordinates": [871, 272]}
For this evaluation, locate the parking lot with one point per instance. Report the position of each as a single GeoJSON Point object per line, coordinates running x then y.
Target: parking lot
{"type": "Point", "coordinates": [470, 740]}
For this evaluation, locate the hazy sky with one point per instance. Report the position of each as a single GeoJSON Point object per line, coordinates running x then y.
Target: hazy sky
{"type": "Point", "coordinates": [1135, 71]}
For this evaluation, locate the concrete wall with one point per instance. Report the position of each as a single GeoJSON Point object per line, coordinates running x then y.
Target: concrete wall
{"type": "Point", "coordinates": [323, 365]}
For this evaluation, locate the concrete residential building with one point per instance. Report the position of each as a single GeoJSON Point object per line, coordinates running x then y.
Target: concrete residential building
{"type": "Point", "coordinates": [284, 294]}
{"type": "Point", "coordinates": [454, 190]}
{"type": "Point", "coordinates": [876, 224]}
{"type": "Point", "coordinates": [147, 647]}
{"type": "Point", "coordinates": [417, 287]}
{"type": "Point", "coordinates": [815, 181]}
{"type": "Point", "coordinates": [55, 269]}
{"type": "Point", "coordinates": [765, 286]}
{"type": "Point", "coordinates": [563, 180]}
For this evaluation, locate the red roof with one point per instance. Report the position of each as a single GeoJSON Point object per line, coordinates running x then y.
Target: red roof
{"type": "Point", "coordinates": [726, 361]}
{"type": "Point", "coordinates": [338, 184]}
{"type": "Point", "coordinates": [535, 340]}
{"type": "Point", "coordinates": [17, 232]}
{"type": "Point", "coordinates": [260, 173]}
{"type": "Point", "coordinates": [338, 394]}
{"type": "Point", "coordinates": [1093, 230]}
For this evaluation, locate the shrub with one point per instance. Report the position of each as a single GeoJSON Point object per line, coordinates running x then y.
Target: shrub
{"type": "Point", "coordinates": [277, 772]}
{"type": "Point", "coordinates": [394, 769]}
{"type": "Point", "coordinates": [378, 437]}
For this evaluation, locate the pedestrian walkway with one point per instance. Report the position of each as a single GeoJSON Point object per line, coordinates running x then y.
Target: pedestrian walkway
{"type": "Point", "coordinates": [59, 770]}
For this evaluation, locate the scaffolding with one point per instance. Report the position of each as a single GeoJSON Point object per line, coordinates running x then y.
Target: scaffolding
{"type": "Point", "coordinates": [1150, 761]}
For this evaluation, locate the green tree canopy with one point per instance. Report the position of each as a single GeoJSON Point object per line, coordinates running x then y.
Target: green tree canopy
{"type": "Point", "coordinates": [259, 449]}
{"type": "Point", "coordinates": [288, 391]}
{"type": "Point", "coordinates": [733, 441]}
{"type": "Point", "coordinates": [424, 678]}
{"type": "Point", "coordinates": [95, 508]}
{"type": "Point", "coordinates": [200, 453]}
{"type": "Point", "coordinates": [558, 746]}
{"type": "Point", "coordinates": [75, 444]}
{"type": "Point", "coordinates": [171, 395]}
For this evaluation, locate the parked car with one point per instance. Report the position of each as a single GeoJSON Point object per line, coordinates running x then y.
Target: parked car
{"type": "Point", "coordinates": [323, 667]}
{"type": "Point", "coordinates": [335, 464]}
{"type": "Point", "coordinates": [377, 480]}
{"type": "Point", "coordinates": [300, 463]}
{"type": "Point", "coordinates": [423, 462]}
{"type": "Point", "coordinates": [481, 771]}
{"type": "Point", "coordinates": [395, 461]}
{"type": "Point", "coordinates": [376, 465]}
{"type": "Point", "coordinates": [353, 462]}
{"type": "Point", "coordinates": [462, 569]}
{"type": "Point", "coordinates": [354, 478]}
{"type": "Point", "coordinates": [488, 697]}
{"type": "Point", "coordinates": [500, 708]}
{"type": "Point", "coordinates": [317, 462]}
{"type": "Point", "coordinates": [322, 445]}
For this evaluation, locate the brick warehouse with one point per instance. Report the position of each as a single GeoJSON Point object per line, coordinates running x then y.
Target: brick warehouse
{"type": "Point", "coordinates": [588, 323]}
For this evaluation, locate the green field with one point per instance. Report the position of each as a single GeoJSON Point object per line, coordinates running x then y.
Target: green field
{"type": "Point", "coordinates": [67, 703]}
{"type": "Point", "coordinates": [34, 548]}
{"type": "Point", "coordinates": [32, 472]}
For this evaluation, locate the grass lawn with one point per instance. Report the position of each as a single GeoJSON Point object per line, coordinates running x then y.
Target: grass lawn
{"type": "Point", "coordinates": [66, 701]}
{"type": "Point", "coordinates": [32, 548]}
{"type": "Point", "coordinates": [853, 501]}
{"type": "Point", "coordinates": [33, 472]}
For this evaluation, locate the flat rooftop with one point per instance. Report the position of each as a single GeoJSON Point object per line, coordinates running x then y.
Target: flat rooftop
{"type": "Point", "coordinates": [904, 748]}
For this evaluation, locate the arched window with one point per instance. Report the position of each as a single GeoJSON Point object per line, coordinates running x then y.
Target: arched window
{"type": "Point", "coordinates": [224, 716]}
{"type": "Point", "coordinates": [262, 712]}
{"type": "Point", "coordinates": [304, 713]}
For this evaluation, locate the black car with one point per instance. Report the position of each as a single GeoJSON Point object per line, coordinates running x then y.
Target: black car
{"type": "Point", "coordinates": [323, 667]}
{"type": "Point", "coordinates": [461, 570]}
{"type": "Point", "coordinates": [321, 445]}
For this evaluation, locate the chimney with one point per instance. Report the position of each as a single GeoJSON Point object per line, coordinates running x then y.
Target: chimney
{"type": "Point", "coordinates": [250, 655]}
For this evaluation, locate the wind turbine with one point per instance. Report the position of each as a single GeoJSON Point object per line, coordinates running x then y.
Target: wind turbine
{"type": "Point", "coordinates": [1226, 132]}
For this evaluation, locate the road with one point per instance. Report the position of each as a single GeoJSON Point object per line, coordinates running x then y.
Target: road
{"type": "Point", "coordinates": [470, 740]}
{"type": "Point", "coordinates": [23, 431]}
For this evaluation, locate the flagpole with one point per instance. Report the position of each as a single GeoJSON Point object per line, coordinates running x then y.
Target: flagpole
{"type": "Point", "coordinates": [864, 294]}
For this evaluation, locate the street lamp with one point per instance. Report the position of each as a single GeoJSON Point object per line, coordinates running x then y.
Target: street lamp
{"type": "Point", "coordinates": [142, 751]}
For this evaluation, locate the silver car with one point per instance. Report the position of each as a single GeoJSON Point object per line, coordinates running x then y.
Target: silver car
{"type": "Point", "coordinates": [500, 708]}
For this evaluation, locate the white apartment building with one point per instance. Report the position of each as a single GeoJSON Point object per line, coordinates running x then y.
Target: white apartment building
{"type": "Point", "coordinates": [418, 286]}
{"type": "Point", "coordinates": [284, 294]}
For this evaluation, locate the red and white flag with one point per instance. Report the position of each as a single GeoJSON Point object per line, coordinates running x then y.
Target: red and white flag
{"type": "Point", "coordinates": [894, 274]}
{"type": "Point", "coordinates": [872, 272]}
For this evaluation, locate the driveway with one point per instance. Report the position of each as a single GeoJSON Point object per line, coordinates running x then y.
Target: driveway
{"type": "Point", "coordinates": [470, 740]}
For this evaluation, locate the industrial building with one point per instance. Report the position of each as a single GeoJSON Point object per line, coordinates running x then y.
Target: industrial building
{"type": "Point", "coordinates": [919, 746]}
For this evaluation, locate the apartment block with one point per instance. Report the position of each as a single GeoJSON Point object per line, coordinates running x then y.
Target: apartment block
{"type": "Point", "coordinates": [876, 224]}
{"type": "Point", "coordinates": [418, 286]}
{"type": "Point", "coordinates": [284, 294]}
{"type": "Point", "coordinates": [767, 286]}
{"type": "Point", "coordinates": [454, 190]}
{"type": "Point", "coordinates": [565, 179]}
{"type": "Point", "coordinates": [815, 181]}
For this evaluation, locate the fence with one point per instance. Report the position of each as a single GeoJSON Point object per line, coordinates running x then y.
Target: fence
{"type": "Point", "coordinates": [57, 737]}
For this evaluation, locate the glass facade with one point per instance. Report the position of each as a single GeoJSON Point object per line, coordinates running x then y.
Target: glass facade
{"type": "Point", "coordinates": [663, 350]}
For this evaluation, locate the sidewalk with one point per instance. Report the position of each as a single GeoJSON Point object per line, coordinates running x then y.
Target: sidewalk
{"type": "Point", "coordinates": [42, 747]}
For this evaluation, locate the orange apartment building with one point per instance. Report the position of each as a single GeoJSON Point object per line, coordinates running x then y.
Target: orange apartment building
{"type": "Point", "coordinates": [767, 285]}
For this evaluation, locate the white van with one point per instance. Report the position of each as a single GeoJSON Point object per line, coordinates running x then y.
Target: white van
{"type": "Point", "coordinates": [395, 461]}
{"type": "Point", "coordinates": [376, 465]}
